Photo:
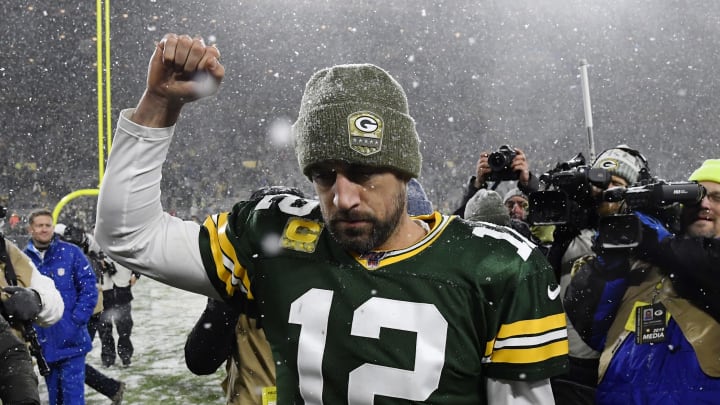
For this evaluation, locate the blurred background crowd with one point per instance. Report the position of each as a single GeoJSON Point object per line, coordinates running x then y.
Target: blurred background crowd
{"type": "Point", "coordinates": [479, 74]}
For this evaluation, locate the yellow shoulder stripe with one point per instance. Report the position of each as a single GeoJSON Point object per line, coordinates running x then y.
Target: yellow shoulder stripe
{"type": "Point", "coordinates": [227, 266]}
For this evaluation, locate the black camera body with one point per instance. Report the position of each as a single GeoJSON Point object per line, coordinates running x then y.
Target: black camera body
{"type": "Point", "coordinates": [658, 198]}
{"type": "Point", "coordinates": [75, 236]}
{"type": "Point", "coordinates": [661, 194]}
{"type": "Point", "coordinates": [500, 163]}
{"type": "Point", "coordinates": [566, 195]}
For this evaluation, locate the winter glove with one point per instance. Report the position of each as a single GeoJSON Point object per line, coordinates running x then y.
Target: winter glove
{"type": "Point", "coordinates": [23, 304]}
{"type": "Point", "coordinates": [653, 233]}
{"type": "Point", "coordinates": [610, 263]}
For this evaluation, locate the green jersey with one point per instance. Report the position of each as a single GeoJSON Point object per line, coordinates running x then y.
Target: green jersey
{"type": "Point", "coordinates": [425, 324]}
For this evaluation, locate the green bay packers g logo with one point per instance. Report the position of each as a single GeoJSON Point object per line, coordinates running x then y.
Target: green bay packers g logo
{"type": "Point", "coordinates": [366, 132]}
{"type": "Point", "coordinates": [608, 164]}
{"type": "Point", "coordinates": [301, 234]}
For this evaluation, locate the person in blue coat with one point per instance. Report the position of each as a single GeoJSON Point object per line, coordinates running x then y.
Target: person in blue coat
{"type": "Point", "coordinates": [654, 311]}
{"type": "Point", "coordinates": [66, 343]}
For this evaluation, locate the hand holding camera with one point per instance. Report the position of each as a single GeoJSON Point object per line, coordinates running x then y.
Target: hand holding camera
{"type": "Point", "coordinates": [23, 304]}
{"type": "Point", "coordinates": [653, 233]}
{"type": "Point", "coordinates": [506, 163]}
{"type": "Point", "coordinates": [500, 164]}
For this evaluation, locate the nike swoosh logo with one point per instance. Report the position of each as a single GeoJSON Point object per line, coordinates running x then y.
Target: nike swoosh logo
{"type": "Point", "coordinates": [553, 293]}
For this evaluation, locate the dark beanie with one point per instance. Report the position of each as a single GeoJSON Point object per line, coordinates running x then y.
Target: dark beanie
{"type": "Point", "coordinates": [487, 206]}
{"type": "Point", "coordinates": [417, 201]}
{"type": "Point", "coordinates": [357, 114]}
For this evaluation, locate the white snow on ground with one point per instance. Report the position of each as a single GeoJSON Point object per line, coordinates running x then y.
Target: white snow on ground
{"type": "Point", "coordinates": [163, 317]}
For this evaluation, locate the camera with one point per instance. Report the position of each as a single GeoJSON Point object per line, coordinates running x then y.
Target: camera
{"type": "Point", "coordinates": [657, 194]}
{"type": "Point", "coordinates": [566, 194]}
{"type": "Point", "coordinates": [500, 163]}
{"type": "Point", "coordinates": [75, 236]}
{"type": "Point", "coordinates": [658, 198]}
{"type": "Point", "coordinates": [3, 211]}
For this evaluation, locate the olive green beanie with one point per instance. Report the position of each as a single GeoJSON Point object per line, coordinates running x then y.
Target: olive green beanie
{"type": "Point", "coordinates": [357, 114]}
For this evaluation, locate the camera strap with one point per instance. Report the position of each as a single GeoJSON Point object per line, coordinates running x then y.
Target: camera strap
{"type": "Point", "coordinates": [10, 275]}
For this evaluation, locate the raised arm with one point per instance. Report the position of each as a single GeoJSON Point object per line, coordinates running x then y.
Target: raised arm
{"type": "Point", "coordinates": [131, 225]}
{"type": "Point", "coordinates": [181, 70]}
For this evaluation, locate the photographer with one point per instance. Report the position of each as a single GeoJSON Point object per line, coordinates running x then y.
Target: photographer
{"type": "Point", "coordinates": [27, 296]}
{"type": "Point", "coordinates": [573, 240]}
{"type": "Point", "coordinates": [18, 382]}
{"type": "Point", "coordinates": [104, 384]}
{"type": "Point", "coordinates": [115, 283]}
{"type": "Point", "coordinates": [501, 168]}
{"type": "Point", "coordinates": [117, 286]}
{"type": "Point", "coordinates": [654, 310]}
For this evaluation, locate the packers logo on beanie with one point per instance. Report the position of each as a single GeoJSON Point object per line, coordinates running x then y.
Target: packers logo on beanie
{"type": "Point", "coordinates": [621, 162]}
{"type": "Point", "coordinates": [357, 114]}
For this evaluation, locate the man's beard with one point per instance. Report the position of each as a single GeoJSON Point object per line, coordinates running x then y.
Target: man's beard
{"type": "Point", "coordinates": [688, 218]}
{"type": "Point", "coordinates": [360, 240]}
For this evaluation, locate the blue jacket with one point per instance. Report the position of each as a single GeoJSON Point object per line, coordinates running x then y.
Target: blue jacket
{"type": "Point", "coordinates": [74, 278]}
{"type": "Point", "coordinates": [682, 369]}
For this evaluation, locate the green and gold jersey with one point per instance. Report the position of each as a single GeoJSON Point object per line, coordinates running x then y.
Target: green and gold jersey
{"type": "Point", "coordinates": [423, 324]}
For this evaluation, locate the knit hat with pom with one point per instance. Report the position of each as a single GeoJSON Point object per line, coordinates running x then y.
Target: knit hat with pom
{"type": "Point", "coordinates": [357, 114]}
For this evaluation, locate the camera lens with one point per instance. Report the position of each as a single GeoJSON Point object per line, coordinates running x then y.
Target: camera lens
{"type": "Point", "coordinates": [498, 161]}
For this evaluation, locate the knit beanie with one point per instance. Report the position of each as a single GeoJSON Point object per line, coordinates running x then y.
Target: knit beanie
{"type": "Point", "coordinates": [709, 171]}
{"type": "Point", "coordinates": [487, 206]}
{"type": "Point", "coordinates": [275, 190]}
{"type": "Point", "coordinates": [417, 201]}
{"type": "Point", "coordinates": [357, 114]}
{"type": "Point", "coordinates": [620, 162]}
{"type": "Point", "coordinates": [512, 193]}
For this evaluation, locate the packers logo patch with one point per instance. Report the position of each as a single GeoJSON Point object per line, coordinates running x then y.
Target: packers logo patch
{"type": "Point", "coordinates": [301, 234]}
{"type": "Point", "coordinates": [366, 132]}
{"type": "Point", "coordinates": [608, 164]}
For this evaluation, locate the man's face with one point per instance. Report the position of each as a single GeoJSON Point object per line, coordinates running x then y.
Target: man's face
{"type": "Point", "coordinates": [41, 229]}
{"type": "Point", "coordinates": [361, 205]}
{"type": "Point", "coordinates": [704, 219]}
{"type": "Point", "coordinates": [517, 207]}
{"type": "Point", "coordinates": [610, 208]}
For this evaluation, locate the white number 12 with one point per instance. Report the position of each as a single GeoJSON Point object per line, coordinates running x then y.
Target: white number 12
{"type": "Point", "coordinates": [312, 310]}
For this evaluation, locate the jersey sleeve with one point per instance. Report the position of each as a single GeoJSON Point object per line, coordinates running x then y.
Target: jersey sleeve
{"type": "Point", "coordinates": [231, 242]}
{"type": "Point", "coordinates": [220, 256]}
{"type": "Point", "coordinates": [531, 339]}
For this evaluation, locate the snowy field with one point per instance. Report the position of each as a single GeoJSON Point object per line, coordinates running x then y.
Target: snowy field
{"type": "Point", "coordinates": [163, 317]}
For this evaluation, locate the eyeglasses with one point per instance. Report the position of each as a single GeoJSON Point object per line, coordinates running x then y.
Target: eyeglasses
{"type": "Point", "coordinates": [714, 197]}
{"type": "Point", "coordinates": [522, 204]}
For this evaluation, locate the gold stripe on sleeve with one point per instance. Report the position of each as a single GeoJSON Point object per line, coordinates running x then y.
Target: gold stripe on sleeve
{"type": "Point", "coordinates": [532, 326]}
{"type": "Point", "coordinates": [530, 355]}
{"type": "Point", "coordinates": [223, 254]}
